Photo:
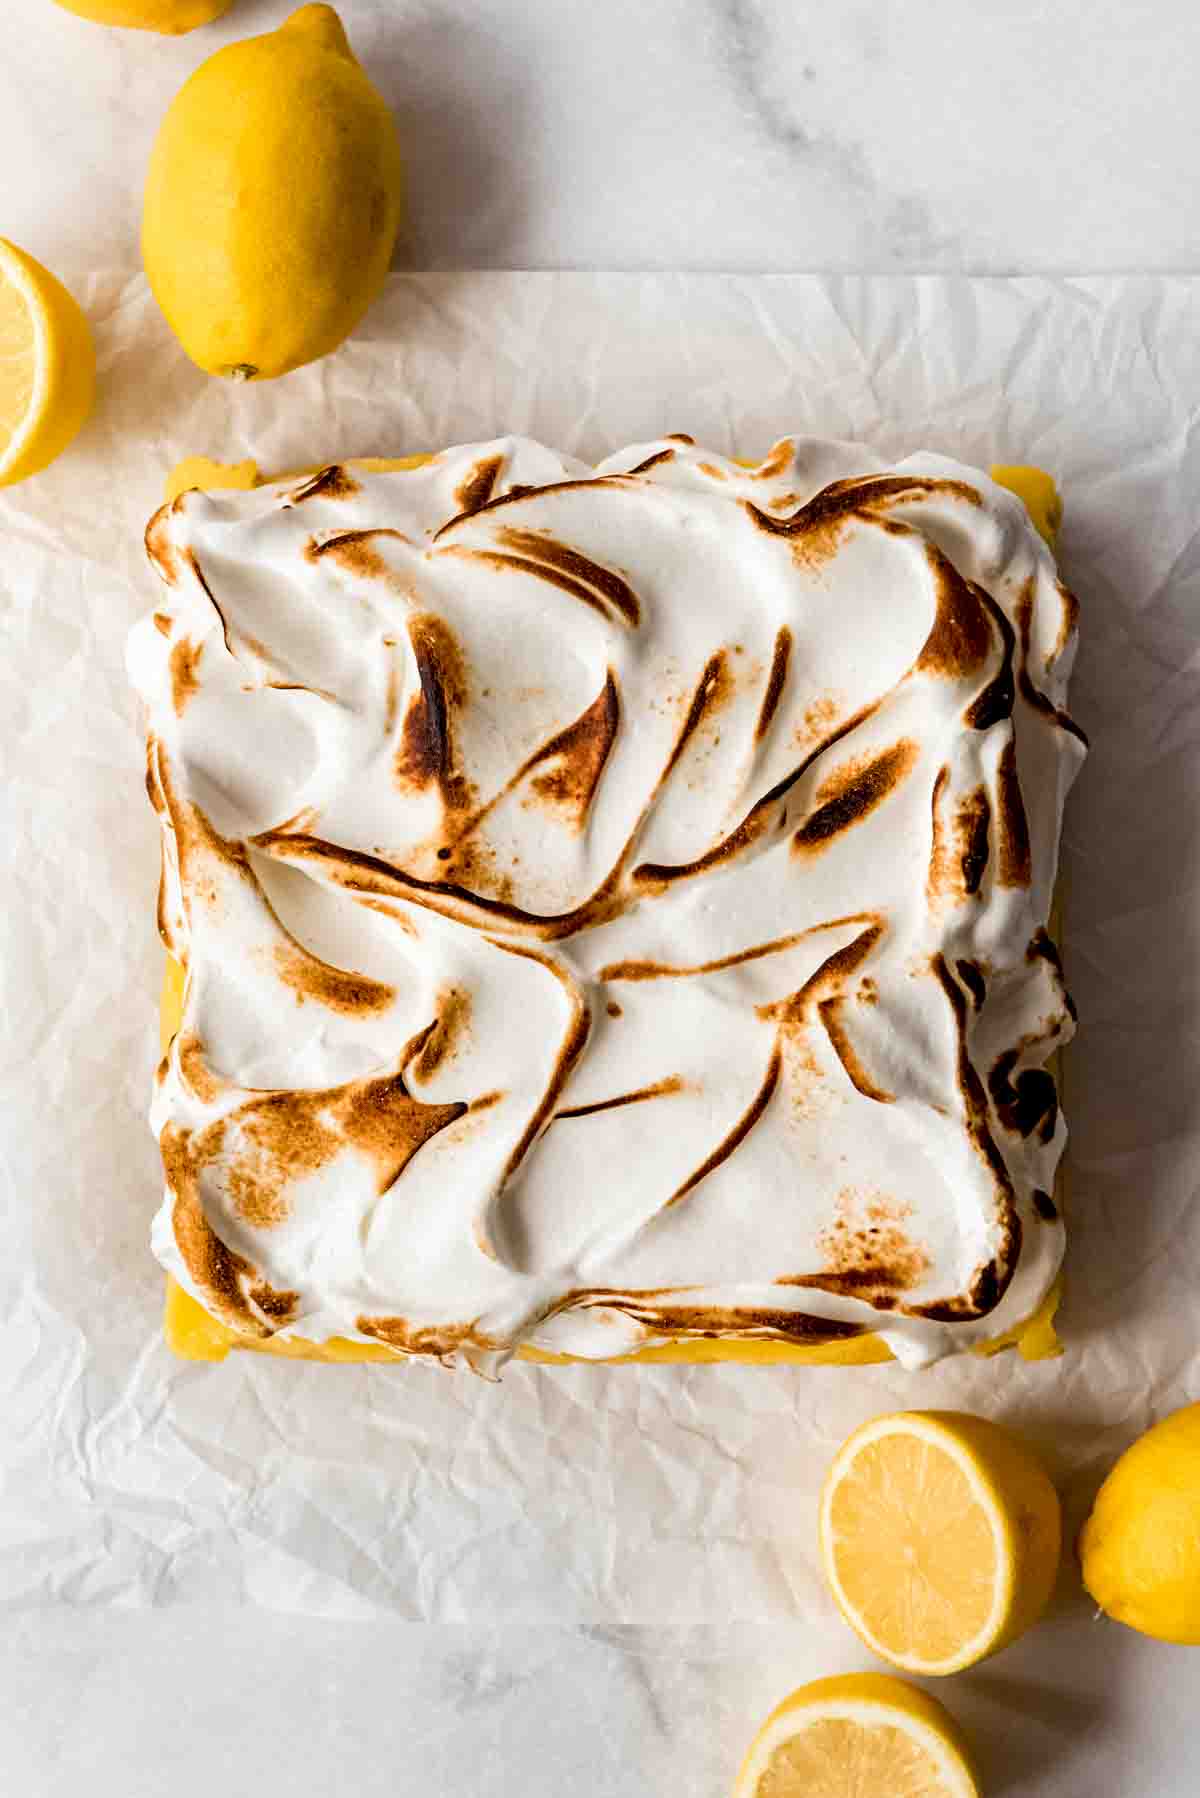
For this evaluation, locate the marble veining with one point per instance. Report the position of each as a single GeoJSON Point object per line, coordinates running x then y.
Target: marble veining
{"type": "Point", "coordinates": [697, 134]}
{"type": "Point", "coordinates": [903, 225]}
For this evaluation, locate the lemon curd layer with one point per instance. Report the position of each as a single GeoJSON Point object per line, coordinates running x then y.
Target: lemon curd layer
{"type": "Point", "coordinates": [855, 1298]}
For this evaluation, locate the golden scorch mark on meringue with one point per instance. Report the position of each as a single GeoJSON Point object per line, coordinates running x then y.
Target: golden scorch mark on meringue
{"type": "Point", "coordinates": [334, 482]}
{"type": "Point", "coordinates": [384, 1122]}
{"type": "Point", "coordinates": [1026, 1101]}
{"type": "Point", "coordinates": [354, 552]}
{"type": "Point", "coordinates": [833, 1016]}
{"type": "Point", "coordinates": [341, 989]}
{"type": "Point", "coordinates": [850, 794]}
{"type": "Point", "coordinates": [960, 638]}
{"type": "Point", "coordinates": [829, 979]}
{"type": "Point", "coordinates": [735, 1137]}
{"type": "Point", "coordinates": [990, 1281]}
{"type": "Point", "coordinates": [281, 1307]}
{"type": "Point", "coordinates": [868, 1254]}
{"type": "Point", "coordinates": [819, 715]}
{"type": "Point", "coordinates": [476, 489]}
{"type": "Point", "coordinates": [973, 975]}
{"type": "Point", "coordinates": [1067, 622]}
{"type": "Point", "coordinates": [154, 792]}
{"type": "Point", "coordinates": [654, 461]}
{"type": "Point", "coordinates": [714, 691]}
{"type": "Point", "coordinates": [287, 1136]}
{"type": "Point", "coordinates": [669, 1311]}
{"type": "Point", "coordinates": [776, 679]}
{"type": "Point", "coordinates": [297, 824]}
{"type": "Point", "coordinates": [1014, 860]}
{"type": "Point", "coordinates": [160, 544]}
{"type": "Point", "coordinates": [539, 554]}
{"type": "Point", "coordinates": [816, 529]}
{"type": "Point", "coordinates": [959, 853]}
{"type": "Point", "coordinates": [442, 1341]}
{"type": "Point", "coordinates": [198, 1078]}
{"type": "Point", "coordinates": [765, 814]}
{"type": "Point", "coordinates": [658, 970]}
{"type": "Point", "coordinates": [1042, 947]}
{"type": "Point", "coordinates": [1032, 694]}
{"type": "Point", "coordinates": [450, 1028]}
{"type": "Point", "coordinates": [777, 458]}
{"type": "Point", "coordinates": [181, 666]}
{"type": "Point", "coordinates": [225, 1278]}
{"type": "Point", "coordinates": [570, 764]}
{"type": "Point", "coordinates": [571, 1046]}
{"type": "Point", "coordinates": [279, 1140]}
{"type": "Point", "coordinates": [658, 1089]}
{"type": "Point", "coordinates": [427, 754]}
{"type": "Point", "coordinates": [996, 699]}
{"type": "Point", "coordinates": [563, 775]}
{"type": "Point", "coordinates": [191, 561]}
{"type": "Point", "coordinates": [545, 549]}
{"type": "Point", "coordinates": [197, 841]}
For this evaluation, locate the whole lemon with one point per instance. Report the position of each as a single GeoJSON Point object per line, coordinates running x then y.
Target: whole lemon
{"type": "Point", "coordinates": [171, 17]}
{"type": "Point", "coordinates": [1140, 1547]}
{"type": "Point", "coordinates": [272, 201]}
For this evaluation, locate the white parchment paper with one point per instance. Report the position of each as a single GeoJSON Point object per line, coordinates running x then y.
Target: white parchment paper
{"type": "Point", "coordinates": [605, 1496]}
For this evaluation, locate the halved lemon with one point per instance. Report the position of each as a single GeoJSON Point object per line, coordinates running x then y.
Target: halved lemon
{"type": "Point", "coordinates": [940, 1537]}
{"type": "Point", "coordinates": [47, 366]}
{"type": "Point", "coordinates": [858, 1735]}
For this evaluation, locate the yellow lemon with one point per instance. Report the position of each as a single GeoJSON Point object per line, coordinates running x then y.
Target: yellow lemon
{"type": "Point", "coordinates": [168, 16]}
{"type": "Point", "coordinates": [272, 201]}
{"type": "Point", "coordinates": [1140, 1547]}
{"type": "Point", "coordinates": [47, 366]}
{"type": "Point", "coordinates": [940, 1537]}
{"type": "Point", "coordinates": [859, 1735]}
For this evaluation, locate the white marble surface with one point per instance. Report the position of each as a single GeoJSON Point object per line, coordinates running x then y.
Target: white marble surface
{"type": "Point", "coordinates": [735, 134]}
{"type": "Point", "coordinates": [638, 134]}
{"type": "Point", "coordinates": [246, 1703]}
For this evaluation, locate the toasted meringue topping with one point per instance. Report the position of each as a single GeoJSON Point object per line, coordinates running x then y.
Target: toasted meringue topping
{"type": "Point", "coordinates": [613, 900]}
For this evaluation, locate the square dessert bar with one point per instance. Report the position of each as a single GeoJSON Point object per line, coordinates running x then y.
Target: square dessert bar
{"type": "Point", "coordinates": [609, 908]}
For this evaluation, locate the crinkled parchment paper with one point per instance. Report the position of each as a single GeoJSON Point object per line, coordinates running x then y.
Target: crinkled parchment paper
{"type": "Point", "coordinates": [648, 1495]}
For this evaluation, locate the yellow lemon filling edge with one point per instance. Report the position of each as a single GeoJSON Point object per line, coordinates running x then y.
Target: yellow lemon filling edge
{"type": "Point", "coordinates": [195, 1335]}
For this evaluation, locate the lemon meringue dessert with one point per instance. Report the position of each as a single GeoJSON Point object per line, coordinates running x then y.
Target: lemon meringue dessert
{"type": "Point", "coordinates": [609, 908]}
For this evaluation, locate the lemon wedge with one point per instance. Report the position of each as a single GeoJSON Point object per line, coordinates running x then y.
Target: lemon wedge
{"type": "Point", "coordinates": [859, 1735]}
{"type": "Point", "coordinates": [940, 1538]}
{"type": "Point", "coordinates": [47, 366]}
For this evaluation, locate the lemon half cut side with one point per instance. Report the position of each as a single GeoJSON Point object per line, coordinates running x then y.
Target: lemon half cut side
{"type": "Point", "coordinates": [858, 1735]}
{"type": "Point", "coordinates": [940, 1537]}
{"type": "Point", "coordinates": [47, 366]}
